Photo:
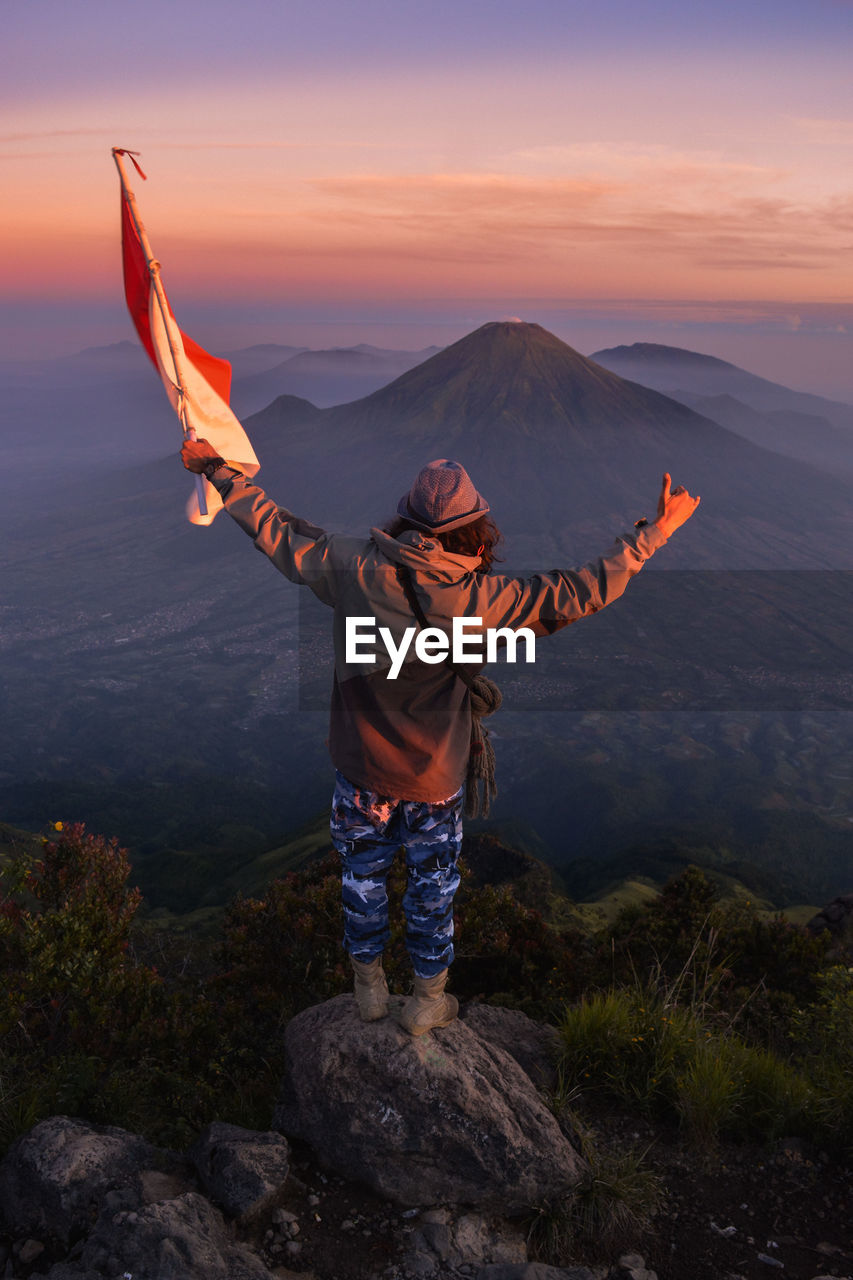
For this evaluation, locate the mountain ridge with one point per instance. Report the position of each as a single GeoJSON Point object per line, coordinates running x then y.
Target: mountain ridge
{"type": "Point", "coordinates": [798, 424]}
{"type": "Point", "coordinates": [542, 430]}
{"type": "Point", "coordinates": [654, 355]}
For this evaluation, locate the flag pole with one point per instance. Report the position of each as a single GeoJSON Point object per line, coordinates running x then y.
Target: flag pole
{"type": "Point", "coordinates": [154, 273]}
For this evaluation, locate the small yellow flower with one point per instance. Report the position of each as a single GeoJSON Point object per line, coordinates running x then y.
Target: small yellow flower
{"type": "Point", "coordinates": [57, 826]}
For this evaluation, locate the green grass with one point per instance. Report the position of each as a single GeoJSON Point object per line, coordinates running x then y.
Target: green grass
{"type": "Point", "coordinates": [667, 1061]}
{"type": "Point", "coordinates": [610, 1207]}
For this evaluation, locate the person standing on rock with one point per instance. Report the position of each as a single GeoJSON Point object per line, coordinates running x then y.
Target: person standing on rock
{"type": "Point", "coordinates": [405, 734]}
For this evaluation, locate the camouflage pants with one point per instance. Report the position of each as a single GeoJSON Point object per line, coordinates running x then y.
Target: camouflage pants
{"type": "Point", "coordinates": [367, 830]}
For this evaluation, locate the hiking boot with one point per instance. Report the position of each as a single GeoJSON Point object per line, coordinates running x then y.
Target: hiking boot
{"type": "Point", "coordinates": [371, 989]}
{"type": "Point", "coordinates": [429, 1006]}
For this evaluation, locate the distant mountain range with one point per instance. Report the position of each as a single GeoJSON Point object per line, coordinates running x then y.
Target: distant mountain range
{"type": "Point", "coordinates": [565, 451]}
{"type": "Point", "coordinates": [323, 377]}
{"type": "Point", "coordinates": [104, 406]}
{"type": "Point", "coordinates": [804, 426]}
{"type": "Point", "coordinates": [249, 361]}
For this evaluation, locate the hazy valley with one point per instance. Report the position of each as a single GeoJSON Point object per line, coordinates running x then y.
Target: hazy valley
{"type": "Point", "coordinates": [163, 684]}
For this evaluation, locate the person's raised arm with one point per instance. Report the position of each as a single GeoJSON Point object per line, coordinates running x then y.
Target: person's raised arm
{"type": "Point", "coordinates": [546, 602]}
{"type": "Point", "coordinates": [297, 548]}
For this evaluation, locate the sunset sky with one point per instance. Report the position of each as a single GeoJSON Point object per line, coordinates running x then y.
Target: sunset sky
{"type": "Point", "coordinates": [397, 172]}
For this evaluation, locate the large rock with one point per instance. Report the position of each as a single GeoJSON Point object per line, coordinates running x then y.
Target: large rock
{"type": "Point", "coordinates": [180, 1239]}
{"type": "Point", "coordinates": [242, 1171]}
{"type": "Point", "coordinates": [53, 1179]}
{"type": "Point", "coordinates": [532, 1045]}
{"type": "Point", "coordinates": [443, 1118]}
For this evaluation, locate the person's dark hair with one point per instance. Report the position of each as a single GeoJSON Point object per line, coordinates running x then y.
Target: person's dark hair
{"type": "Point", "coordinates": [464, 541]}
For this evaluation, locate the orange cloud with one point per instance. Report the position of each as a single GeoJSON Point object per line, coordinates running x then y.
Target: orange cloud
{"type": "Point", "coordinates": [665, 226]}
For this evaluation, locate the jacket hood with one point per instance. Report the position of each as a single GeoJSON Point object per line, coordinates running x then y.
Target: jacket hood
{"type": "Point", "coordinates": [420, 551]}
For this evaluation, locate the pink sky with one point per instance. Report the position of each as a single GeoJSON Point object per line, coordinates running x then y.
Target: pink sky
{"type": "Point", "coordinates": [337, 164]}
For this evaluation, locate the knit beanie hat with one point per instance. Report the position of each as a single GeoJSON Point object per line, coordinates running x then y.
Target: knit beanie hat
{"type": "Point", "coordinates": [442, 498]}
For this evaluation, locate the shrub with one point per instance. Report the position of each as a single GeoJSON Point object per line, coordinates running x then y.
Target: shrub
{"type": "Point", "coordinates": [774, 1097]}
{"type": "Point", "coordinates": [688, 929]}
{"type": "Point", "coordinates": [628, 1044]}
{"type": "Point", "coordinates": [706, 1093]}
{"type": "Point", "coordinates": [64, 925]}
{"type": "Point", "coordinates": [87, 1029]}
{"type": "Point", "coordinates": [664, 934]}
{"type": "Point", "coordinates": [282, 953]}
{"type": "Point", "coordinates": [663, 1059]}
{"type": "Point", "coordinates": [822, 1040]}
{"type": "Point", "coordinates": [507, 953]}
{"type": "Point", "coordinates": [610, 1207]}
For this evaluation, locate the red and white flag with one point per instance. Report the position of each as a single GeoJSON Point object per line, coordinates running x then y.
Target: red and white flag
{"type": "Point", "coordinates": [197, 383]}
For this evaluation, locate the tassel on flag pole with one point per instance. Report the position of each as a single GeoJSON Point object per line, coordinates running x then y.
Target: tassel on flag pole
{"type": "Point", "coordinates": [197, 383]}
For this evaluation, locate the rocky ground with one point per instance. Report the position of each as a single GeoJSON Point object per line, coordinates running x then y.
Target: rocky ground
{"type": "Point", "coordinates": [740, 1212]}
{"type": "Point", "coordinates": [79, 1202]}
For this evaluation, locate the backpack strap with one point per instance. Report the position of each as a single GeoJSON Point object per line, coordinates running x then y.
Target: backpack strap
{"type": "Point", "coordinates": [480, 785]}
{"type": "Point", "coordinates": [404, 577]}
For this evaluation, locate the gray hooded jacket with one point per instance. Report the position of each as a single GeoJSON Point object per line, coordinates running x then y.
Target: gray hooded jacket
{"type": "Point", "coordinates": [409, 737]}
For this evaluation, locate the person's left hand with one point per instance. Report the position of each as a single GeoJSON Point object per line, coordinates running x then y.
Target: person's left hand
{"type": "Point", "coordinates": [674, 507]}
{"type": "Point", "coordinates": [196, 454]}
